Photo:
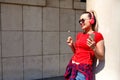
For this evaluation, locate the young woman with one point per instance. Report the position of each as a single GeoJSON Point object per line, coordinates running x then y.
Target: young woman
{"type": "Point", "coordinates": [89, 45]}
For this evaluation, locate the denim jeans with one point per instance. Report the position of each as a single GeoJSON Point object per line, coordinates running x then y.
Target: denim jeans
{"type": "Point", "coordinates": [80, 76]}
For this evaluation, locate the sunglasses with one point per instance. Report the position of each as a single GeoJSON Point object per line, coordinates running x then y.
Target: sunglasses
{"type": "Point", "coordinates": [82, 21]}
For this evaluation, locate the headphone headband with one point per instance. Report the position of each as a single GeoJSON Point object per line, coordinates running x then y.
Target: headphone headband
{"type": "Point", "coordinates": [92, 15]}
{"type": "Point", "coordinates": [92, 20]}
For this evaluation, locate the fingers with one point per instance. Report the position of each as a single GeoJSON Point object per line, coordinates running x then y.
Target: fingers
{"type": "Point", "coordinates": [69, 39]}
{"type": "Point", "coordinates": [90, 42]}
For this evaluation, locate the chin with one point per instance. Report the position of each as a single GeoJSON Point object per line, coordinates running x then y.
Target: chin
{"type": "Point", "coordinates": [83, 28]}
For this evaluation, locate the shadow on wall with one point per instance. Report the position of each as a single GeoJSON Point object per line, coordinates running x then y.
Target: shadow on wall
{"type": "Point", "coordinates": [98, 66]}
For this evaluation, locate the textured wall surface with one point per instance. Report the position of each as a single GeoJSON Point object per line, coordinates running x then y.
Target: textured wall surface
{"type": "Point", "coordinates": [33, 37]}
{"type": "Point", "coordinates": [109, 26]}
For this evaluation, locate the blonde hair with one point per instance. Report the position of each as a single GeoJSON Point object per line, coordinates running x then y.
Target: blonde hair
{"type": "Point", "coordinates": [95, 16]}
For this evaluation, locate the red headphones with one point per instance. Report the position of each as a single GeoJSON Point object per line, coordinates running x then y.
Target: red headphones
{"type": "Point", "coordinates": [92, 20]}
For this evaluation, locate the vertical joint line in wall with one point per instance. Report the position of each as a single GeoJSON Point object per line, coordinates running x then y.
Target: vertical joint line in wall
{"type": "Point", "coordinates": [59, 37]}
{"type": "Point", "coordinates": [75, 22]}
{"type": "Point", "coordinates": [23, 40]}
{"type": "Point", "coordinates": [0, 18]}
{"type": "Point", "coordinates": [1, 45]}
{"type": "Point", "coordinates": [72, 4]}
{"type": "Point", "coordinates": [42, 41]}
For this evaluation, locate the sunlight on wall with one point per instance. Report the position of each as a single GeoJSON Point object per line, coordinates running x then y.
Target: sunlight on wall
{"type": "Point", "coordinates": [109, 25]}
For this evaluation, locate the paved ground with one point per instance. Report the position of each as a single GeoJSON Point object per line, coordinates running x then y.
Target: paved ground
{"type": "Point", "coordinates": [53, 78]}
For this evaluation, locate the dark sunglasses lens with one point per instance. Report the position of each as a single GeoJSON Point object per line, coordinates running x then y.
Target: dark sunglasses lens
{"type": "Point", "coordinates": [81, 21]}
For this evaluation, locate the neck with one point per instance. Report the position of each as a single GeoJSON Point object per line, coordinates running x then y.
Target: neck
{"type": "Point", "coordinates": [90, 31]}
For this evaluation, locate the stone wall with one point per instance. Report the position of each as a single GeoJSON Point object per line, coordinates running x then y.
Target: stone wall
{"type": "Point", "coordinates": [33, 37]}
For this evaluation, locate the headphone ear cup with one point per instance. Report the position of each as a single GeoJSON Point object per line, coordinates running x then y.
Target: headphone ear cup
{"type": "Point", "coordinates": [92, 21]}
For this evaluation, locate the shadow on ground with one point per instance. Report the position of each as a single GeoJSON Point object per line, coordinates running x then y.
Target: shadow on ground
{"type": "Point", "coordinates": [53, 78]}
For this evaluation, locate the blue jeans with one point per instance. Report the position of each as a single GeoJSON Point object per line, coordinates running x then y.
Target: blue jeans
{"type": "Point", "coordinates": [80, 76]}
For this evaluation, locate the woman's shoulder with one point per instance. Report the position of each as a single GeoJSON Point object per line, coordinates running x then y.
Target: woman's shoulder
{"type": "Point", "coordinates": [98, 36]}
{"type": "Point", "coordinates": [78, 34]}
{"type": "Point", "coordinates": [98, 33]}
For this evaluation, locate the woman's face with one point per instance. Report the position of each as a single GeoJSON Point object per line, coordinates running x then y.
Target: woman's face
{"type": "Point", "coordinates": [85, 22]}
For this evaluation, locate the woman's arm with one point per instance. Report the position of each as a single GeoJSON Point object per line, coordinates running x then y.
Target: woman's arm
{"type": "Point", "coordinates": [100, 50]}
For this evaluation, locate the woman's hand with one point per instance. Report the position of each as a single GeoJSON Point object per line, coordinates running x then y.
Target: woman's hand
{"type": "Point", "coordinates": [91, 43]}
{"type": "Point", "coordinates": [70, 41]}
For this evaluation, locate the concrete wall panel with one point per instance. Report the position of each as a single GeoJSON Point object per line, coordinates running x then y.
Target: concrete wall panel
{"type": "Point", "coordinates": [66, 4]}
{"type": "Point", "coordinates": [12, 44]}
{"type": "Point", "coordinates": [32, 18]}
{"type": "Point", "coordinates": [27, 2]}
{"type": "Point", "coordinates": [32, 43]}
{"type": "Point", "coordinates": [50, 19]}
{"type": "Point", "coordinates": [50, 65]}
{"type": "Point", "coordinates": [67, 20]}
{"type": "Point", "coordinates": [13, 68]}
{"type": "Point", "coordinates": [32, 67]}
{"type": "Point", "coordinates": [11, 17]}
